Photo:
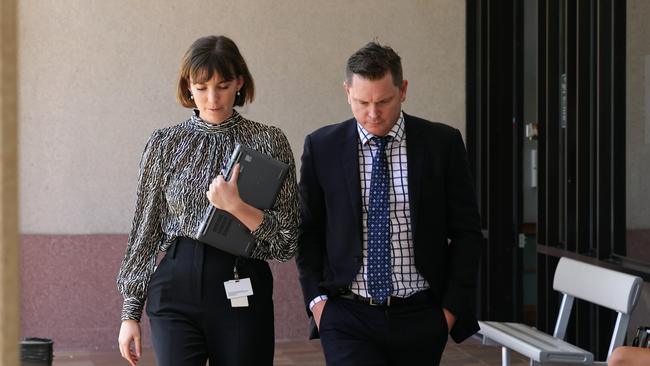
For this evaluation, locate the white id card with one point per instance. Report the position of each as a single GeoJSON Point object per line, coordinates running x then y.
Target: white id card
{"type": "Point", "coordinates": [238, 291]}
{"type": "Point", "coordinates": [239, 302]}
{"type": "Point", "coordinates": [238, 288]}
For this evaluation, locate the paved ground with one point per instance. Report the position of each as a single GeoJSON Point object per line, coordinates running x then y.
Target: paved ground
{"type": "Point", "coordinates": [470, 353]}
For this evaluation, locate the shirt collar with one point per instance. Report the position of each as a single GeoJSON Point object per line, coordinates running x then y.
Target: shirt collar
{"type": "Point", "coordinates": [396, 132]}
{"type": "Point", "coordinates": [203, 126]}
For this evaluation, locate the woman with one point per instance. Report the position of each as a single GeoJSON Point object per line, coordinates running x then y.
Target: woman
{"type": "Point", "coordinates": [191, 318]}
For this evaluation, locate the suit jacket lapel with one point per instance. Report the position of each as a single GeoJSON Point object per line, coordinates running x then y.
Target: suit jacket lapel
{"type": "Point", "coordinates": [349, 156]}
{"type": "Point", "coordinates": [415, 154]}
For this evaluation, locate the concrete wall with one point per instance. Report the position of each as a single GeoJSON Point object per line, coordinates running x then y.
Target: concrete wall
{"type": "Point", "coordinates": [638, 147]}
{"type": "Point", "coordinates": [9, 236]}
{"type": "Point", "coordinates": [97, 77]}
{"type": "Point", "coordinates": [638, 114]}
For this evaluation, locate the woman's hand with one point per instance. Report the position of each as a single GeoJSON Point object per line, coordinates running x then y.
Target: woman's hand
{"type": "Point", "coordinates": [224, 194]}
{"type": "Point", "coordinates": [130, 332]}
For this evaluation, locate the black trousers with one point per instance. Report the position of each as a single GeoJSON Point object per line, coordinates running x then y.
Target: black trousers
{"type": "Point", "coordinates": [356, 334]}
{"type": "Point", "coordinates": [193, 321]}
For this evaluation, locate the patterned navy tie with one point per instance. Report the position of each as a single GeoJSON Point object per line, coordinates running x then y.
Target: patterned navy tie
{"type": "Point", "coordinates": [380, 284]}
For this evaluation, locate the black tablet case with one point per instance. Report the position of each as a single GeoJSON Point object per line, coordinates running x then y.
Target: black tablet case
{"type": "Point", "coordinates": [260, 179]}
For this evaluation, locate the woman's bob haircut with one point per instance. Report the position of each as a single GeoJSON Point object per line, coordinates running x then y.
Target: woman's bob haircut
{"type": "Point", "coordinates": [210, 55]}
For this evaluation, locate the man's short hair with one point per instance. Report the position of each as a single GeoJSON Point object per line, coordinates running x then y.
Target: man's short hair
{"type": "Point", "coordinates": [372, 62]}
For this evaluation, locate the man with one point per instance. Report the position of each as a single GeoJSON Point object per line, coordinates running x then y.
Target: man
{"type": "Point", "coordinates": [390, 234]}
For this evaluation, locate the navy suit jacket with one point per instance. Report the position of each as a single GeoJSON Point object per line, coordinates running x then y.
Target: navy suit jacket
{"type": "Point", "coordinates": [444, 215]}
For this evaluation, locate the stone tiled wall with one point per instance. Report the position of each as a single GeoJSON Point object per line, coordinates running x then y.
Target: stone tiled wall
{"type": "Point", "coordinates": [69, 292]}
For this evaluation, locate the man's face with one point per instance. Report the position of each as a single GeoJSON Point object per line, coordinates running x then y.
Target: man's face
{"type": "Point", "coordinates": [376, 104]}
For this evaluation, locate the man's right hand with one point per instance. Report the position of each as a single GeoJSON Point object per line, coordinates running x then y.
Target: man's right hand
{"type": "Point", "coordinates": [130, 332]}
{"type": "Point", "coordinates": [317, 310]}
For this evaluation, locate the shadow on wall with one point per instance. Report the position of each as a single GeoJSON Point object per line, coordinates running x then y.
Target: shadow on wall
{"type": "Point", "coordinates": [638, 244]}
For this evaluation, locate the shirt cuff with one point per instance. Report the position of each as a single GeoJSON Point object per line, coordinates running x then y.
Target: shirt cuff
{"type": "Point", "coordinates": [316, 300]}
{"type": "Point", "coordinates": [132, 308]}
{"type": "Point", "coordinates": [268, 227]}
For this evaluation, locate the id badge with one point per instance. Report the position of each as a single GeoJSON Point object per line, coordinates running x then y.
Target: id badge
{"type": "Point", "coordinates": [238, 291]}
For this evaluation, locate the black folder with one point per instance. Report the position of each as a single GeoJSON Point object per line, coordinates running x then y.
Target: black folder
{"type": "Point", "coordinates": [260, 180]}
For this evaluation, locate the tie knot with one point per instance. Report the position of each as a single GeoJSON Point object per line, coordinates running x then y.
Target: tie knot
{"type": "Point", "coordinates": [382, 141]}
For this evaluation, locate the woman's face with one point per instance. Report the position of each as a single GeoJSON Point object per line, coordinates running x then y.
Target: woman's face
{"type": "Point", "coordinates": [215, 97]}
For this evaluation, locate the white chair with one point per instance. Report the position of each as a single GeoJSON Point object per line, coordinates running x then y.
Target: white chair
{"type": "Point", "coordinates": [574, 279]}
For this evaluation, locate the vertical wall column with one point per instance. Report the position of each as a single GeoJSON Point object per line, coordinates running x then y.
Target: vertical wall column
{"type": "Point", "coordinates": [9, 244]}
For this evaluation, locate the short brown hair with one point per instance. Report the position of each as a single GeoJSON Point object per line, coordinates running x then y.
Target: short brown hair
{"type": "Point", "coordinates": [372, 62]}
{"type": "Point", "coordinates": [206, 56]}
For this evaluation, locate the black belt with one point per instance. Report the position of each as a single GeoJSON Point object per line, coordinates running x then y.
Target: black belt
{"type": "Point", "coordinates": [419, 298]}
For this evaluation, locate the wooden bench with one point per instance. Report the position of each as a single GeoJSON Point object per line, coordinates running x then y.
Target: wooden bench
{"type": "Point", "coordinates": [613, 290]}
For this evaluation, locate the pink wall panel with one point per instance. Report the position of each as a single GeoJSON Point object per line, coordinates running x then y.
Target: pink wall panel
{"type": "Point", "coordinates": [69, 292]}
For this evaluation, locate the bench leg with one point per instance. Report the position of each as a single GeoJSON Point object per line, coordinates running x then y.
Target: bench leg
{"type": "Point", "coordinates": [505, 356]}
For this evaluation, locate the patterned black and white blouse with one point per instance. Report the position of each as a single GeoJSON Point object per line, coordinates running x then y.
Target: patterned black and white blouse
{"type": "Point", "coordinates": [177, 166]}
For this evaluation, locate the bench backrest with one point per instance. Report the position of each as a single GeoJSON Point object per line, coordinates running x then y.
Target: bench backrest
{"type": "Point", "coordinates": [613, 290]}
{"type": "Point", "coordinates": [605, 287]}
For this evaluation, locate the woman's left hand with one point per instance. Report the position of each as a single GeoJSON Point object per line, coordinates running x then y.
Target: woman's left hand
{"type": "Point", "coordinates": [224, 194]}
